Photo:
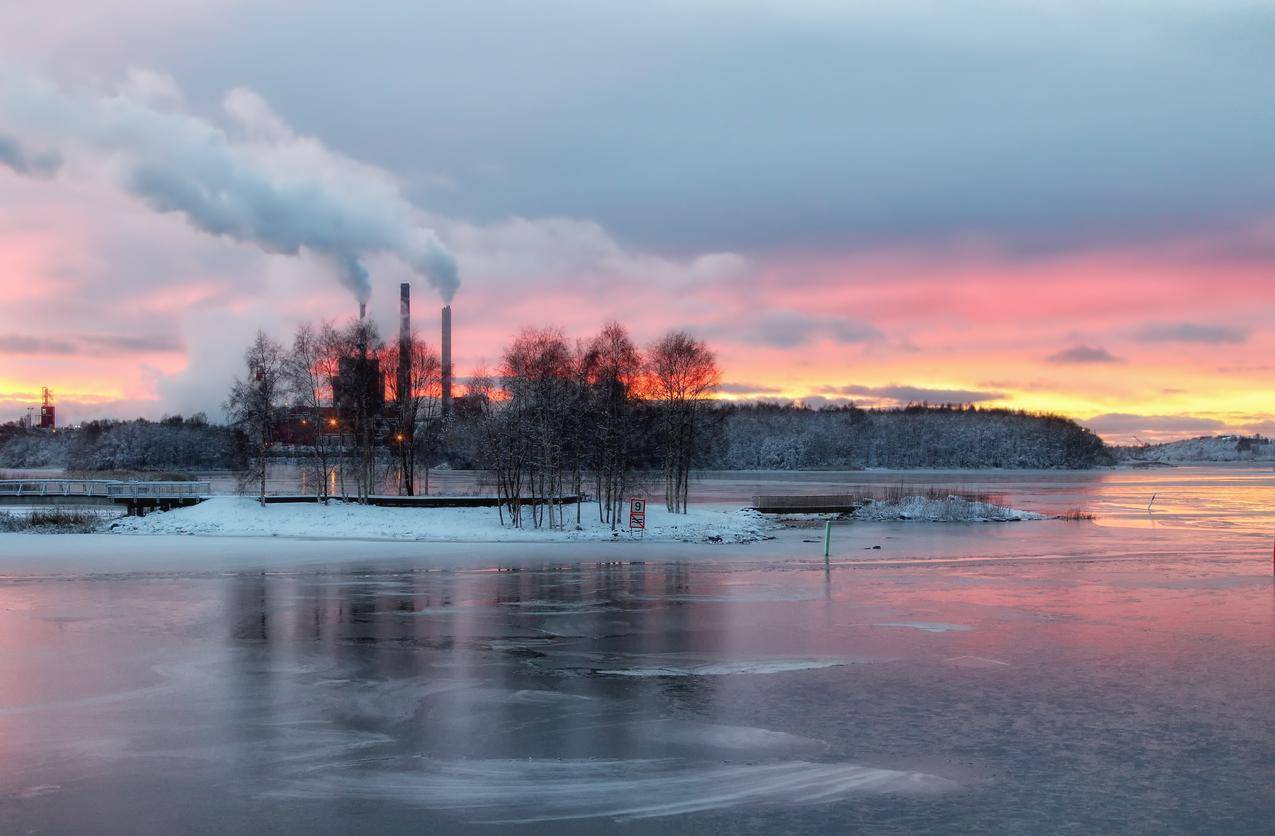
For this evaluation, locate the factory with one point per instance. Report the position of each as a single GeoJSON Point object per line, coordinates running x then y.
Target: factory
{"type": "Point", "coordinates": [358, 388]}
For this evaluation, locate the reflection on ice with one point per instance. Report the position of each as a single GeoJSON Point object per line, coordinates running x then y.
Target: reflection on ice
{"type": "Point", "coordinates": [750, 666]}
{"type": "Point", "coordinates": [927, 626]}
{"type": "Point", "coordinates": [975, 662]}
{"type": "Point", "coordinates": [532, 789]}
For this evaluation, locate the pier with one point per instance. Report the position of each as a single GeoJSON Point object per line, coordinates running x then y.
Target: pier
{"type": "Point", "coordinates": [807, 504]}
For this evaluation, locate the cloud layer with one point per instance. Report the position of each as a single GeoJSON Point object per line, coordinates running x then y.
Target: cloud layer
{"type": "Point", "coordinates": [257, 182]}
{"type": "Point", "coordinates": [925, 204]}
{"type": "Point", "coordinates": [1083, 354]}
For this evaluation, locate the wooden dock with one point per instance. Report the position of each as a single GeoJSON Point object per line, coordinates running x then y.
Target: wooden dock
{"type": "Point", "coordinates": [807, 504]}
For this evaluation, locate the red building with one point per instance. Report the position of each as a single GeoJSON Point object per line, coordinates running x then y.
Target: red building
{"type": "Point", "coordinates": [47, 414]}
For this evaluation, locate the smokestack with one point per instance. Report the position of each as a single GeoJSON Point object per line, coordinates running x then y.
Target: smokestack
{"type": "Point", "coordinates": [362, 310]}
{"type": "Point", "coordinates": [405, 312]}
{"type": "Point", "coordinates": [404, 342]}
{"type": "Point", "coordinates": [447, 359]}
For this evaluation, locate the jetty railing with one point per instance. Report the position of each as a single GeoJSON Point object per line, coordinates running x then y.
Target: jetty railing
{"type": "Point", "coordinates": [107, 488]}
{"type": "Point", "coordinates": [158, 490]}
{"type": "Point", "coordinates": [56, 487]}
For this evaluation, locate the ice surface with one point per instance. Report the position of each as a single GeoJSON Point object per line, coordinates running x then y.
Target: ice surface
{"type": "Point", "coordinates": [927, 626]}
{"type": "Point", "coordinates": [747, 666]}
{"type": "Point", "coordinates": [556, 790]}
{"type": "Point", "coordinates": [975, 662]}
{"type": "Point", "coordinates": [1114, 674]}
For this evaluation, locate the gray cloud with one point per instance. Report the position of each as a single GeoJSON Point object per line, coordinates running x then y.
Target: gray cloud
{"type": "Point", "coordinates": [1083, 354]}
{"type": "Point", "coordinates": [27, 344]}
{"type": "Point", "coordinates": [903, 394]}
{"type": "Point", "coordinates": [130, 345]}
{"type": "Point", "coordinates": [785, 329]}
{"type": "Point", "coordinates": [86, 344]}
{"type": "Point", "coordinates": [255, 182]}
{"type": "Point", "coordinates": [1190, 332]}
{"type": "Point", "coordinates": [951, 119]}
{"type": "Point", "coordinates": [1127, 422]}
{"type": "Point", "coordinates": [748, 389]}
{"type": "Point", "coordinates": [1116, 423]}
{"type": "Point", "coordinates": [39, 164]}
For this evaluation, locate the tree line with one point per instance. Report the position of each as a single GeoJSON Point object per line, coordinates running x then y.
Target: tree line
{"type": "Point", "coordinates": [556, 420]}
{"type": "Point", "coordinates": [553, 419]}
{"type": "Point", "coordinates": [559, 418]}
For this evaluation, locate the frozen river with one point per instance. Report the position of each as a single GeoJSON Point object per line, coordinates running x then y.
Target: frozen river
{"type": "Point", "coordinates": [1035, 677]}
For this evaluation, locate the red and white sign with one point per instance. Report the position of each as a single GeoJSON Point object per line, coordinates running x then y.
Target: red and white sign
{"type": "Point", "coordinates": [637, 514]}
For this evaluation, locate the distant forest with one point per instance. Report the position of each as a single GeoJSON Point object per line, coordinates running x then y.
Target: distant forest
{"type": "Point", "coordinates": [734, 437]}
{"type": "Point", "coordinates": [172, 443]}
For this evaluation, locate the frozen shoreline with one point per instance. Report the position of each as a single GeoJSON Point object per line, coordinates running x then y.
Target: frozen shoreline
{"type": "Point", "coordinates": [234, 516]}
{"type": "Point", "coordinates": [238, 516]}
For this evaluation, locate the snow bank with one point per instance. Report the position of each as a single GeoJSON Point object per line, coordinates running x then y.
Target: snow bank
{"type": "Point", "coordinates": [951, 509]}
{"type": "Point", "coordinates": [243, 516]}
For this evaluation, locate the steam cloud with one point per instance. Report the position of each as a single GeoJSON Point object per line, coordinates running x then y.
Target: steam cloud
{"type": "Point", "coordinates": [254, 181]}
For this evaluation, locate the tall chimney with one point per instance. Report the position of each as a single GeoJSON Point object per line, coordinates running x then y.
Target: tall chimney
{"type": "Point", "coordinates": [404, 342]}
{"type": "Point", "coordinates": [447, 359]}
{"type": "Point", "coordinates": [362, 310]}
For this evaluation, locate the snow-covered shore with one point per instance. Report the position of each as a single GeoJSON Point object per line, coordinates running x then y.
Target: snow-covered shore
{"type": "Point", "coordinates": [237, 516]}
{"type": "Point", "coordinates": [951, 509]}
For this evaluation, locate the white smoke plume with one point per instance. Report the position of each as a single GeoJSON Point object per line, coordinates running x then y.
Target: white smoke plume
{"type": "Point", "coordinates": [252, 180]}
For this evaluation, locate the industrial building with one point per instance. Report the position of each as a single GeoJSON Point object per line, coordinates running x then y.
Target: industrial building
{"type": "Point", "coordinates": [358, 389]}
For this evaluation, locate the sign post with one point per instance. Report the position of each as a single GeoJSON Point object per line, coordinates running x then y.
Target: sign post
{"type": "Point", "coordinates": [637, 515]}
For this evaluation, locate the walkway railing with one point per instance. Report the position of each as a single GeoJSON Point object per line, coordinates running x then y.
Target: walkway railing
{"type": "Point", "coordinates": [56, 487]}
{"type": "Point", "coordinates": [111, 488]}
{"type": "Point", "coordinates": [162, 490]}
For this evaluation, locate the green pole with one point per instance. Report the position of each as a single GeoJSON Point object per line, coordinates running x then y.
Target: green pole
{"type": "Point", "coordinates": [827, 539]}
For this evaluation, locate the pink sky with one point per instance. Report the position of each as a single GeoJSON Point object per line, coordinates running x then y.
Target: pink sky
{"type": "Point", "coordinates": [1178, 332]}
{"type": "Point", "coordinates": [1073, 218]}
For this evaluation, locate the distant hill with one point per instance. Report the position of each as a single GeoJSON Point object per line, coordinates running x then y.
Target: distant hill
{"type": "Point", "coordinates": [794, 437]}
{"type": "Point", "coordinates": [732, 437]}
{"type": "Point", "coordinates": [1206, 448]}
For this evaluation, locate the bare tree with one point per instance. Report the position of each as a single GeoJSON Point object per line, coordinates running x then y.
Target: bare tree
{"type": "Point", "coordinates": [497, 437]}
{"type": "Point", "coordinates": [682, 372]}
{"type": "Point", "coordinates": [415, 390]}
{"type": "Point", "coordinates": [255, 404]}
{"type": "Point", "coordinates": [612, 368]}
{"type": "Point", "coordinates": [309, 369]}
{"type": "Point", "coordinates": [537, 375]}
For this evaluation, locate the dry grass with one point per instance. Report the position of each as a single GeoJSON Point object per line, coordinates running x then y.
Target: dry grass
{"type": "Point", "coordinates": [902, 493]}
{"type": "Point", "coordinates": [52, 520]}
{"type": "Point", "coordinates": [1077, 515]}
